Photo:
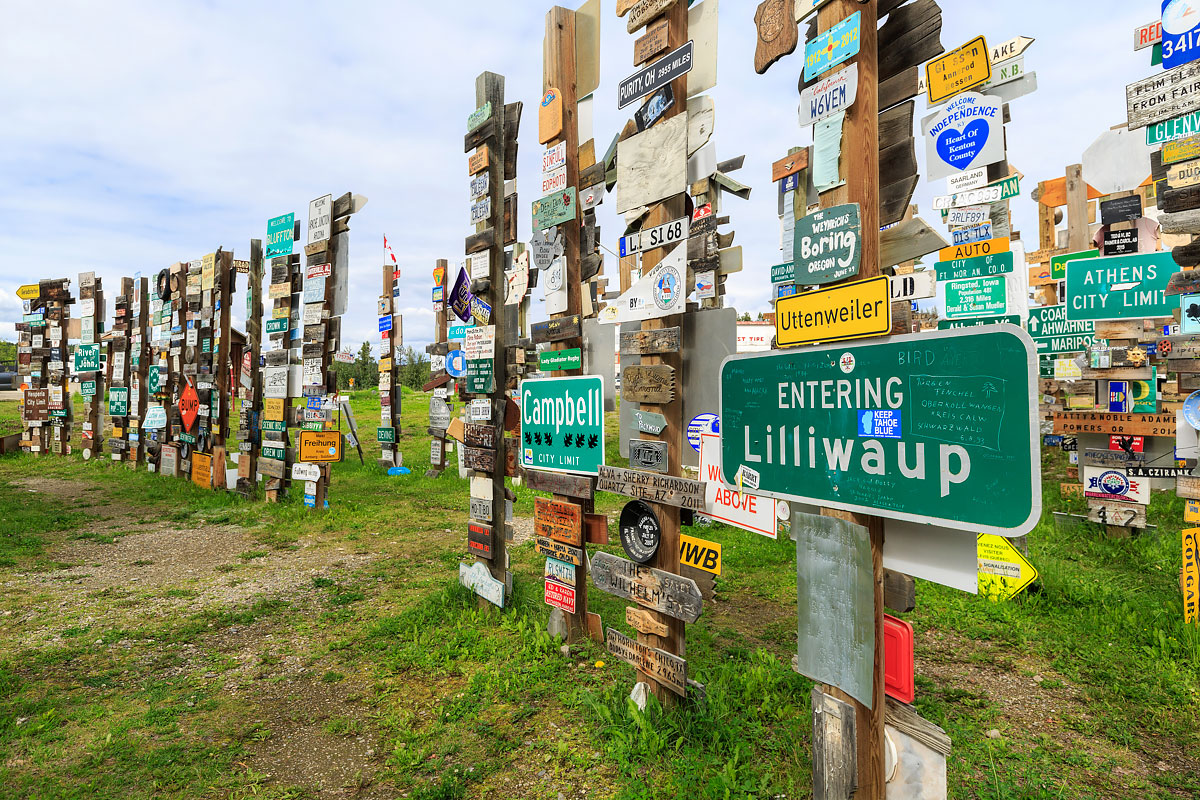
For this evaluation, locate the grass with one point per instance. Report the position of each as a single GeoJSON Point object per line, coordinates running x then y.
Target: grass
{"type": "Point", "coordinates": [181, 690]}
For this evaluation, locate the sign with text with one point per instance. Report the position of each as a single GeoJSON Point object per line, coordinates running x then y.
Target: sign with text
{"type": "Point", "coordinates": [828, 96]}
{"type": "Point", "coordinates": [1054, 334]}
{"type": "Point", "coordinates": [836, 45]}
{"type": "Point", "coordinates": [1180, 33]}
{"type": "Point", "coordinates": [975, 297]}
{"type": "Point", "coordinates": [1121, 287]}
{"type": "Point", "coordinates": [280, 231]}
{"type": "Point", "coordinates": [966, 134]}
{"type": "Point", "coordinates": [562, 424]}
{"type": "Point", "coordinates": [958, 71]}
{"type": "Point", "coordinates": [826, 245]}
{"type": "Point", "coordinates": [968, 456]}
{"type": "Point", "coordinates": [650, 78]}
{"type": "Point", "coordinates": [848, 311]}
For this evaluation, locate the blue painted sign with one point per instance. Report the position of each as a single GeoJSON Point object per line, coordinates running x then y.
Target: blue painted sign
{"type": "Point", "coordinates": [458, 333]}
{"type": "Point", "coordinates": [834, 46]}
{"type": "Point", "coordinates": [1180, 32]}
{"type": "Point", "coordinates": [883, 424]}
{"type": "Point", "coordinates": [456, 363]}
{"type": "Point", "coordinates": [978, 233]}
{"type": "Point", "coordinates": [385, 323]}
{"type": "Point", "coordinates": [700, 425]}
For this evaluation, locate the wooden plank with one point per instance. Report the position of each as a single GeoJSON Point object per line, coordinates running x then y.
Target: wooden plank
{"type": "Point", "coordinates": [1183, 283]}
{"type": "Point", "coordinates": [1188, 487]}
{"type": "Point", "coordinates": [556, 330]}
{"type": "Point", "coordinates": [479, 459]}
{"type": "Point", "coordinates": [1173, 201]}
{"type": "Point", "coordinates": [895, 198]}
{"type": "Point", "coordinates": [1128, 424]}
{"type": "Point", "coordinates": [908, 241]}
{"type": "Point", "coordinates": [661, 591]}
{"type": "Point", "coordinates": [1188, 255]}
{"type": "Point", "coordinates": [899, 591]}
{"type": "Point", "coordinates": [560, 550]}
{"type": "Point", "coordinates": [595, 529]}
{"type": "Point", "coordinates": [1053, 193]}
{"type": "Point", "coordinates": [652, 487]}
{"type": "Point", "coordinates": [558, 520]}
{"type": "Point", "coordinates": [1163, 96]}
{"type": "Point", "coordinates": [834, 758]}
{"type": "Point", "coordinates": [1118, 373]}
{"type": "Point", "coordinates": [645, 11]}
{"type": "Point", "coordinates": [560, 483]}
{"type": "Point", "coordinates": [1125, 515]}
{"type": "Point", "coordinates": [648, 383]}
{"type": "Point", "coordinates": [902, 86]}
{"type": "Point", "coordinates": [669, 670]}
{"type": "Point", "coordinates": [650, 44]}
{"type": "Point", "coordinates": [639, 343]}
{"type": "Point", "coordinates": [775, 21]}
{"type": "Point", "coordinates": [644, 621]}
{"type": "Point", "coordinates": [911, 36]}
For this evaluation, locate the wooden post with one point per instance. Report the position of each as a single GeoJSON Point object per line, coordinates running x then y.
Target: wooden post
{"type": "Point", "coordinates": [139, 357]}
{"type": "Point", "coordinates": [1047, 239]}
{"type": "Point", "coordinates": [220, 398]}
{"type": "Point", "coordinates": [93, 427]}
{"type": "Point", "coordinates": [1078, 231]}
{"type": "Point", "coordinates": [389, 350]}
{"type": "Point", "coordinates": [860, 169]}
{"type": "Point", "coordinates": [252, 405]}
{"type": "Point", "coordinates": [559, 73]}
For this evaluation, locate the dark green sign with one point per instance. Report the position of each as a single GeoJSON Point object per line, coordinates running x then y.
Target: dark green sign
{"type": "Point", "coordinates": [481, 376]}
{"type": "Point", "coordinates": [936, 428]}
{"type": "Point", "coordinates": [560, 360]}
{"type": "Point", "coordinates": [1121, 287]}
{"type": "Point", "coordinates": [978, 267]}
{"type": "Point", "coordinates": [155, 381]}
{"type": "Point", "coordinates": [276, 452]}
{"type": "Point", "coordinates": [118, 402]}
{"type": "Point", "coordinates": [187, 438]}
{"type": "Point", "coordinates": [385, 435]}
{"type": "Point", "coordinates": [826, 245]}
{"type": "Point", "coordinates": [277, 325]}
{"type": "Point", "coordinates": [273, 425]}
{"type": "Point", "coordinates": [975, 322]}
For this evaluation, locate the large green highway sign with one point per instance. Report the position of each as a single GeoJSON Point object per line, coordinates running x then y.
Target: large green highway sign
{"type": "Point", "coordinates": [562, 424]}
{"type": "Point", "coordinates": [1121, 287]}
{"type": "Point", "coordinates": [938, 428]}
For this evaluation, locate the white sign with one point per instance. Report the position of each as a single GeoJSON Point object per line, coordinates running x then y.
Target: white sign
{"type": "Point", "coordinates": [320, 218]}
{"type": "Point", "coordinates": [87, 307]}
{"type": "Point", "coordinates": [967, 133]}
{"type": "Point", "coordinates": [914, 286]}
{"type": "Point", "coordinates": [660, 236]}
{"type": "Point", "coordinates": [968, 215]}
{"type": "Point", "coordinates": [1113, 484]}
{"type": "Point", "coordinates": [554, 181]}
{"type": "Point", "coordinates": [275, 382]}
{"type": "Point", "coordinates": [480, 342]}
{"type": "Point", "coordinates": [972, 197]}
{"type": "Point", "coordinates": [305, 472]}
{"type": "Point", "coordinates": [156, 418]}
{"type": "Point", "coordinates": [659, 293]}
{"type": "Point", "coordinates": [554, 158]}
{"type": "Point", "coordinates": [479, 265]}
{"type": "Point", "coordinates": [312, 313]}
{"type": "Point", "coordinates": [480, 411]}
{"type": "Point", "coordinates": [1147, 35]}
{"type": "Point", "coordinates": [743, 510]}
{"type": "Point", "coordinates": [972, 179]}
{"type": "Point", "coordinates": [829, 96]}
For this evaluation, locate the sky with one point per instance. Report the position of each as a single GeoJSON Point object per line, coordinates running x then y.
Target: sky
{"type": "Point", "coordinates": [143, 133]}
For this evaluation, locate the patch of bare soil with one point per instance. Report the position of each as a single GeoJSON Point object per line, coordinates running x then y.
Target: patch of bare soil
{"type": "Point", "coordinates": [1041, 704]}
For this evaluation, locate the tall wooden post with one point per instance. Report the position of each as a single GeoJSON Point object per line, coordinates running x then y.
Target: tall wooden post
{"type": "Point", "coordinates": [860, 169]}
{"type": "Point", "coordinates": [91, 290]}
{"type": "Point", "coordinates": [1078, 231]}
{"type": "Point", "coordinates": [1047, 240]}
{"type": "Point", "coordinates": [250, 430]}
{"type": "Point", "coordinates": [558, 72]}
{"type": "Point", "coordinates": [139, 358]}
{"type": "Point", "coordinates": [387, 377]}
{"type": "Point", "coordinates": [221, 393]}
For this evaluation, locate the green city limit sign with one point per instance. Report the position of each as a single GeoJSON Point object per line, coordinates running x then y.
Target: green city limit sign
{"type": "Point", "coordinates": [938, 428]}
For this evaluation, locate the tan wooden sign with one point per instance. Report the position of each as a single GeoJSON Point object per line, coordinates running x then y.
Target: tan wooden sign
{"type": "Point", "coordinates": [645, 11]}
{"type": "Point", "coordinates": [645, 343]}
{"type": "Point", "coordinates": [1184, 174]}
{"type": "Point", "coordinates": [652, 588]}
{"type": "Point", "coordinates": [479, 459]}
{"type": "Point", "coordinates": [478, 161]}
{"type": "Point", "coordinates": [1100, 422]}
{"type": "Point", "coordinates": [777, 32]}
{"type": "Point", "coordinates": [644, 621]}
{"type": "Point", "coordinates": [1188, 487]}
{"type": "Point", "coordinates": [669, 670]}
{"type": "Point", "coordinates": [559, 483]}
{"type": "Point", "coordinates": [560, 550]}
{"type": "Point", "coordinates": [789, 165]}
{"type": "Point", "coordinates": [1125, 515]}
{"type": "Point", "coordinates": [653, 42]}
{"type": "Point", "coordinates": [1163, 96]}
{"type": "Point", "coordinates": [648, 384]}
{"type": "Point", "coordinates": [550, 116]}
{"type": "Point", "coordinates": [652, 487]}
{"type": "Point", "coordinates": [558, 520]}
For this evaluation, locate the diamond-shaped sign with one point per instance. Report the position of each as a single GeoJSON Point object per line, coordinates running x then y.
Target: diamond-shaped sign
{"type": "Point", "coordinates": [189, 406]}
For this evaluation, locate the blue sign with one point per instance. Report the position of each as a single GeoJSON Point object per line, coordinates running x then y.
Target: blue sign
{"type": "Point", "coordinates": [457, 333]}
{"type": "Point", "coordinates": [700, 425]}
{"type": "Point", "coordinates": [456, 363]}
{"type": "Point", "coordinates": [1180, 32]}
{"type": "Point", "coordinates": [838, 44]}
{"type": "Point", "coordinates": [279, 235]}
{"type": "Point", "coordinates": [314, 403]}
{"type": "Point", "coordinates": [785, 290]}
{"type": "Point", "coordinates": [385, 323]}
{"type": "Point", "coordinates": [439, 292]}
{"type": "Point", "coordinates": [977, 233]}
{"type": "Point", "coordinates": [879, 424]}
{"type": "Point", "coordinates": [790, 183]}
{"type": "Point", "coordinates": [1118, 397]}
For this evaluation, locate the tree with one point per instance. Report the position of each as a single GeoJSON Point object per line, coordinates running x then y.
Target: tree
{"type": "Point", "coordinates": [366, 368]}
{"type": "Point", "coordinates": [744, 317]}
{"type": "Point", "coordinates": [414, 368]}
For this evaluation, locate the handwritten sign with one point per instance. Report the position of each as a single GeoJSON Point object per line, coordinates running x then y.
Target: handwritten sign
{"type": "Point", "coordinates": [667, 669]}
{"type": "Point", "coordinates": [652, 487]}
{"type": "Point", "coordinates": [826, 245]}
{"type": "Point", "coordinates": [558, 520]}
{"type": "Point", "coordinates": [652, 588]}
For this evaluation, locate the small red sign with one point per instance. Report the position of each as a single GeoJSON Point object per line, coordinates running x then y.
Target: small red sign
{"type": "Point", "coordinates": [189, 406]}
{"type": "Point", "coordinates": [560, 596]}
{"type": "Point", "coordinates": [318, 271]}
{"type": "Point", "coordinates": [702, 211]}
{"type": "Point", "coordinates": [898, 672]}
{"type": "Point", "coordinates": [1117, 441]}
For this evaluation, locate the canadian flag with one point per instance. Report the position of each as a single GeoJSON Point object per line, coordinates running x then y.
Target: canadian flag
{"type": "Point", "coordinates": [388, 250]}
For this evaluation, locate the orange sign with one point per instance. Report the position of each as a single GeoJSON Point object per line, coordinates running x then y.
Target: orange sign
{"type": "Point", "coordinates": [202, 469]}
{"type": "Point", "coordinates": [973, 250]}
{"type": "Point", "coordinates": [478, 160]}
{"type": "Point", "coordinates": [189, 406]}
{"type": "Point", "coordinates": [320, 447]}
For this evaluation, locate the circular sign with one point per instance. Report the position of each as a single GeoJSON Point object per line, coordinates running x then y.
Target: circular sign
{"type": "Point", "coordinates": [163, 284]}
{"type": "Point", "coordinates": [700, 425]}
{"type": "Point", "coordinates": [640, 531]}
{"type": "Point", "coordinates": [666, 288]}
{"type": "Point", "coordinates": [87, 454]}
{"type": "Point", "coordinates": [847, 363]}
{"type": "Point", "coordinates": [1191, 410]}
{"type": "Point", "coordinates": [1179, 17]}
{"type": "Point", "coordinates": [1114, 483]}
{"type": "Point", "coordinates": [783, 511]}
{"type": "Point", "coordinates": [456, 363]}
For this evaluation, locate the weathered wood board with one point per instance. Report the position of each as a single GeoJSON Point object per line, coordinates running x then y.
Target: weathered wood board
{"type": "Point", "coordinates": [669, 670]}
{"type": "Point", "coordinates": [1128, 424]}
{"type": "Point", "coordinates": [653, 488]}
{"type": "Point", "coordinates": [558, 520]}
{"type": "Point", "coordinates": [644, 621]}
{"type": "Point", "coordinates": [560, 550]}
{"type": "Point", "coordinates": [560, 483]}
{"type": "Point", "coordinates": [651, 588]}
{"type": "Point", "coordinates": [648, 384]}
{"type": "Point", "coordinates": [652, 165]}
{"type": "Point", "coordinates": [644, 343]}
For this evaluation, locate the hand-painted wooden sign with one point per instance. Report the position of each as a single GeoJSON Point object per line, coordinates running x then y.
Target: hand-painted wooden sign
{"type": "Point", "coordinates": [644, 621]}
{"type": "Point", "coordinates": [1125, 424]}
{"type": "Point", "coordinates": [651, 43]}
{"type": "Point", "coordinates": [667, 669]}
{"type": "Point", "coordinates": [967, 133]}
{"type": "Point", "coordinates": [648, 384]}
{"type": "Point", "coordinates": [645, 11]}
{"type": "Point", "coordinates": [1163, 96]}
{"type": "Point", "coordinates": [777, 33]}
{"type": "Point", "coordinates": [555, 330]}
{"type": "Point", "coordinates": [554, 209]}
{"type": "Point", "coordinates": [650, 78]}
{"type": "Point", "coordinates": [828, 96]}
{"type": "Point", "coordinates": [478, 161]}
{"type": "Point", "coordinates": [649, 422]}
{"type": "Point", "coordinates": [848, 311]}
{"type": "Point", "coordinates": [827, 245]}
{"type": "Point", "coordinates": [550, 116]}
{"type": "Point", "coordinates": [648, 455]}
{"type": "Point", "coordinates": [477, 578]}
{"type": "Point", "coordinates": [558, 520]}
{"type": "Point", "coordinates": [653, 342]}
{"type": "Point", "coordinates": [1125, 515]}
{"type": "Point", "coordinates": [659, 236]}
{"type": "Point", "coordinates": [562, 424]}
{"type": "Point", "coordinates": [958, 71]}
{"type": "Point", "coordinates": [836, 45]}
{"type": "Point", "coordinates": [1125, 287]}
{"type": "Point", "coordinates": [661, 591]}
{"type": "Point", "coordinates": [652, 487]}
{"type": "Point", "coordinates": [1184, 174]}
{"type": "Point", "coordinates": [559, 550]}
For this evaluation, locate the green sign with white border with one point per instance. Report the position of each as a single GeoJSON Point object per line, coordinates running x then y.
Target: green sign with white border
{"type": "Point", "coordinates": [118, 401]}
{"type": "Point", "coordinates": [562, 424]}
{"type": "Point", "coordinates": [1120, 287]}
{"type": "Point", "coordinates": [976, 297]}
{"type": "Point", "coordinates": [560, 360]}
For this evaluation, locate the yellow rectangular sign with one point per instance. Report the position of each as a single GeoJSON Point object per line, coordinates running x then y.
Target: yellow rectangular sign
{"type": "Point", "coordinates": [202, 469]}
{"type": "Point", "coordinates": [973, 250]}
{"type": "Point", "coordinates": [958, 70]}
{"type": "Point", "coordinates": [320, 447]}
{"type": "Point", "coordinates": [1181, 150]}
{"type": "Point", "coordinates": [273, 408]}
{"type": "Point", "coordinates": [1189, 580]}
{"type": "Point", "coordinates": [848, 311]}
{"type": "Point", "coordinates": [1191, 510]}
{"type": "Point", "coordinates": [385, 365]}
{"type": "Point", "coordinates": [701, 554]}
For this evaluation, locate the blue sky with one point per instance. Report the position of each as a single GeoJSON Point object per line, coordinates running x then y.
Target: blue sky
{"type": "Point", "coordinates": [142, 133]}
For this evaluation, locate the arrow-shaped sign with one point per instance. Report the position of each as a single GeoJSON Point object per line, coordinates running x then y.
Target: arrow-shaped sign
{"type": "Point", "coordinates": [1010, 49]}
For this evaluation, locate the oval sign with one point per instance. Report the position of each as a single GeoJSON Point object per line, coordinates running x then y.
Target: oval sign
{"type": "Point", "coordinates": [640, 532]}
{"type": "Point", "coordinates": [456, 363]}
{"type": "Point", "coordinates": [1191, 410]}
{"type": "Point", "coordinates": [700, 425]}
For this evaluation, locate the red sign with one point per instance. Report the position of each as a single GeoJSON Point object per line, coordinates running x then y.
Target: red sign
{"type": "Point", "coordinates": [702, 211]}
{"type": "Point", "coordinates": [189, 406]}
{"type": "Point", "coordinates": [560, 596]}
{"type": "Point", "coordinates": [1115, 442]}
{"type": "Point", "coordinates": [899, 679]}
{"type": "Point", "coordinates": [318, 271]}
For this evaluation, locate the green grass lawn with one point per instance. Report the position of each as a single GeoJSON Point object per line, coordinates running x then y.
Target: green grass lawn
{"type": "Point", "coordinates": [159, 640]}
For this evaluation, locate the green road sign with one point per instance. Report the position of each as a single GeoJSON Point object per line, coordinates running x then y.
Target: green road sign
{"type": "Point", "coordinates": [155, 381]}
{"type": "Point", "coordinates": [277, 452]}
{"type": "Point", "coordinates": [273, 425]}
{"type": "Point", "coordinates": [975, 322]}
{"type": "Point", "coordinates": [87, 388]}
{"type": "Point", "coordinates": [118, 402]}
{"type": "Point", "coordinates": [938, 428]}
{"type": "Point", "coordinates": [976, 297]}
{"type": "Point", "coordinates": [279, 235]}
{"type": "Point", "coordinates": [784, 273]}
{"type": "Point", "coordinates": [978, 267]}
{"type": "Point", "coordinates": [385, 435]}
{"type": "Point", "coordinates": [1054, 334]}
{"type": "Point", "coordinates": [1058, 264]}
{"type": "Point", "coordinates": [87, 358]}
{"type": "Point", "coordinates": [481, 375]}
{"type": "Point", "coordinates": [562, 424]}
{"type": "Point", "coordinates": [560, 360]}
{"type": "Point", "coordinates": [1121, 287]}
{"type": "Point", "coordinates": [277, 325]}
{"type": "Point", "coordinates": [1173, 129]}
